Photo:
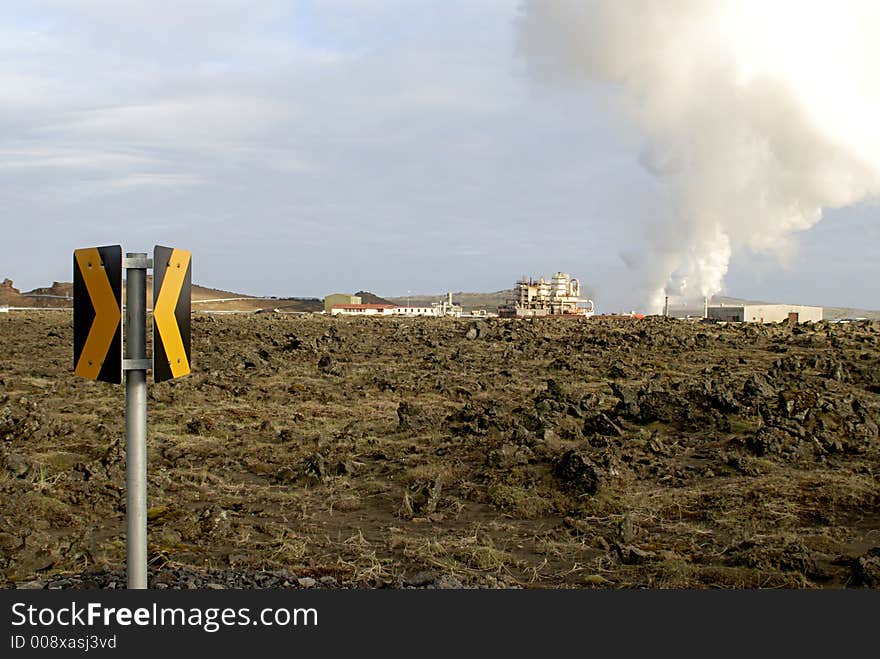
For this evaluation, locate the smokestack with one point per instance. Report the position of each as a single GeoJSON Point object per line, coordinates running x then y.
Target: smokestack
{"type": "Point", "coordinates": [449, 294]}
{"type": "Point", "coordinates": [666, 307]}
{"type": "Point", "coordinates": [706, 307]}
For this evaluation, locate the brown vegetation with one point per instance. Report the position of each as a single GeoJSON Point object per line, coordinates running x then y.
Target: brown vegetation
{"type": "Point", "coordinates": [600, 454]}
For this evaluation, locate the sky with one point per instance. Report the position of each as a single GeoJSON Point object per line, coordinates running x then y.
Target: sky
{"type": "Point", "coordinates": [304, 148]}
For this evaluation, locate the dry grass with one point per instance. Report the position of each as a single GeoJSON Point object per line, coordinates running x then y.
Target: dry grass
{"type": "Point", "coordinates": [280, 464]}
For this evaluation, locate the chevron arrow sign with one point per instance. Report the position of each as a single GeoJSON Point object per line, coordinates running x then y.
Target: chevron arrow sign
{"type": "Point", "coordinates": [172, 277]}
{"type": "Point", "coordinates": [97, 313]}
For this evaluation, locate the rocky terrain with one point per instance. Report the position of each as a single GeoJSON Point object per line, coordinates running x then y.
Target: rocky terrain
{"type": "Point", "coordinates": [308, 451]}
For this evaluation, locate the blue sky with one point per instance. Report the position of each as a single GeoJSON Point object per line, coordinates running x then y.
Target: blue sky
{"type": "Point", "coordinates": [302, 148]}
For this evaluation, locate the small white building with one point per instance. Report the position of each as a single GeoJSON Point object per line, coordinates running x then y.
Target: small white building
{"type": "Point", "coordinates": [433, 311]}
{"type": "Point", "coordinates": [436, 310]}
{"type": "Point", "coordinates": [765, 313]}
{"type": "Point", "coordinates": [363, 309]}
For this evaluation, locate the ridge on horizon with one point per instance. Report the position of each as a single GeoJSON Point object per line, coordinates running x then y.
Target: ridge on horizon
{"type": "Point", "coordinates": [43, 296]}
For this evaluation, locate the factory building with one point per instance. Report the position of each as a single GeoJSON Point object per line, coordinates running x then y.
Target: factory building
{"type": "Point", "coordinates": [339, 298]}
{"type": "Point", "coordinates": [558, 297]}
{"type": "Point", "coordinates": [447, 307]}
{"type": "Point", "coordinates": [764, 313]}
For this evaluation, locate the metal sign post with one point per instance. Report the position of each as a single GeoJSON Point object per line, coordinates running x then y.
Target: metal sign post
{"type": "Point", "coordinates": [97, 330]}
{"type": "Point", "coordinates": [135, 366]}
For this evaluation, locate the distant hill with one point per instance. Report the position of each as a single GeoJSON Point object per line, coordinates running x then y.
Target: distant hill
{"type": "Point", "coordinates": [370, 298]}
{"type": "Point", "coordinates": [215, 299]}
{"type": "Point", "coordinates": [832, 313]}
{"type": "Point", "coordinates": [60, 295]}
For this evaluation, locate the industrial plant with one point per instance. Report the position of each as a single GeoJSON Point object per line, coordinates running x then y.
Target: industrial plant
{"type": "Point", "coordinates": [558, 297]}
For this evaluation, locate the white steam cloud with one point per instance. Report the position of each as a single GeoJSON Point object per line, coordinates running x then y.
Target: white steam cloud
{"type": "Point", "coordinates": [758, 114]}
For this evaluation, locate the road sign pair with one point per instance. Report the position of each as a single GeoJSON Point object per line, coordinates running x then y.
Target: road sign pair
{"type": "Point", "coordinates": [97, 313]}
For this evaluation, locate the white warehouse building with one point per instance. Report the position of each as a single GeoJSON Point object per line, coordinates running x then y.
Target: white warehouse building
{"type": "Point", "coordinates": [435, 310]}
{"type": "Point", "coordinates": [345, 305]}
{"type": "Point", "coordinates": [363, 309]}
{"type": "Point", "coordinates": [765, 313]}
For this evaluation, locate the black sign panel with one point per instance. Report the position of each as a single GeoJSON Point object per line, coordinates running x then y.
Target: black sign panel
{"type": "Point", "coordinates": [97, 313]}
{"type": "Point", "coordinates": [172, 280]}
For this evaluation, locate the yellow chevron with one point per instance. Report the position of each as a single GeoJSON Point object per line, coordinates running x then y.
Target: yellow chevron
{"type": "Point", "coordinates": [107, 313]}
{"type": "Point", "coordinates": [163, 311]}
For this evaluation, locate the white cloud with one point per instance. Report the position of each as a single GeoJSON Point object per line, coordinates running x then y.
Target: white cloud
{"type": "Point", "coordinates": [201, 121]}
{"type": "Point", "coordinates": [45, 157]}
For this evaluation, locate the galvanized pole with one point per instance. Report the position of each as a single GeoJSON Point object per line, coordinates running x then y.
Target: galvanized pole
{"type": "Point", "coordinates": [135, 365]}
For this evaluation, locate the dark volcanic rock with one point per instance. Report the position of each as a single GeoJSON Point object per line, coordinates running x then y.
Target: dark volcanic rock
{"type": "Point", "coordinates": [664, 406]}
{"type": "Point", "coordinates": [600, 424]}
{"type": "Point", "coordinates": [796, 404]}
{"type": "Point", "coordinates": [866, 569]}
{"type": "Point", "coordinates": [577, 473]}
{"type": "Point", "coordinates": [757, 387]}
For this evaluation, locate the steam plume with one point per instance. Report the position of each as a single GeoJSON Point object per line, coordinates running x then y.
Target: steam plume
{"type": "Point", "coordinates": [758, 114]}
